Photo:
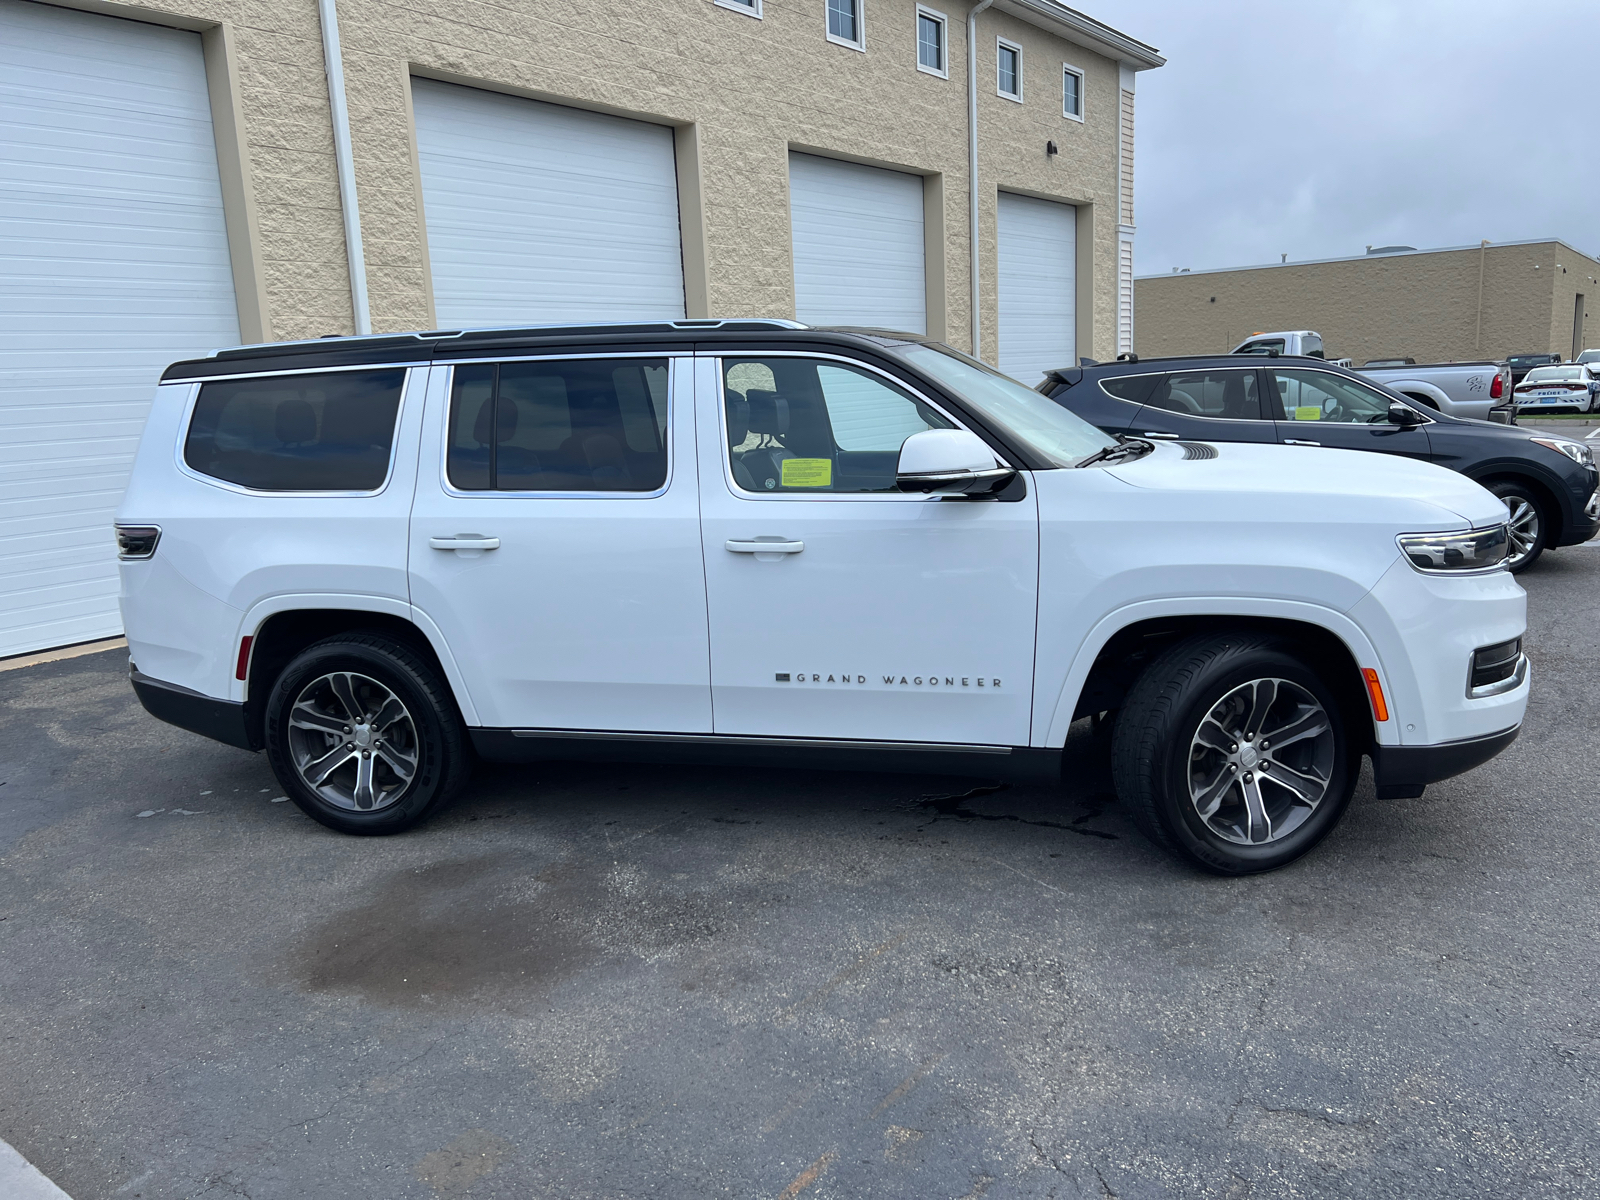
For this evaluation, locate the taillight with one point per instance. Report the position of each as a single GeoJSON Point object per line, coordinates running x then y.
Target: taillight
{"type": "Point", "coordinates": [1496, 387]}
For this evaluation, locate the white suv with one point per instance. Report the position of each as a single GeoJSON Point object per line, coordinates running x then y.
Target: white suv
{"type": "Point", "coordinates": [754, 541]}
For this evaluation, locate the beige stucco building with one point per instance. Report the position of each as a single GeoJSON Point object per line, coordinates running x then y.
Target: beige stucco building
{"type": "Point", "coordinates": [1462, 303]}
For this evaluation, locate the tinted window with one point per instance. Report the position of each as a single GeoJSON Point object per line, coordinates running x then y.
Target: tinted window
{"type": "Point", "coordinates": [583, 425]}
{"type": "Point", "coordinates": [1225, 395]}
{"type": "Point", "coordinates": [1132, 388]}
{"type": "Point", "coordinates": [1317, 396]}
{"type": "Point", "coordinates": [328, 432]}
{"type": "Point", "coordinates": [802, 425]}
{"type": "Point", "coordinates": [1267, 346]}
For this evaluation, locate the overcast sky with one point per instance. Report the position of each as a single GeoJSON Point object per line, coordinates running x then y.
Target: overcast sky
{"type": "Point", "coordinates": [1311, 128]}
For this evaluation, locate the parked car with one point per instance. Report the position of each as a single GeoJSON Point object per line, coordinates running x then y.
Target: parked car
{"type": "Point", "coordinates": [1480, 390]}
{"type": "Point", "coordinates": [760, 543]}
{"type": "Point", "coordinates": [1570, 385]}
{"type": "Point", "coordinates": [1521, 364]}
{"type": "Point", "coordinates": [1589, 358]}
{"type": "Point", "coordinates": [1547, 482]}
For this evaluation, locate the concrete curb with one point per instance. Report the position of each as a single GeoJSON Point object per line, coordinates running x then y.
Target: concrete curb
{"type": "Point", "coordinates": [21, 1180]}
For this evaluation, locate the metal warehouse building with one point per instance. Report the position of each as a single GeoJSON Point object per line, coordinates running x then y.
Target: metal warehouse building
{"type": "Point", "coordinates": [1460, 303]}
{"type": "Point", "coordinates": [181, 175]}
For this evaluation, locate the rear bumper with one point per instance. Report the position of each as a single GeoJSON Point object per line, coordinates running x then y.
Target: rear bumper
{"type": "Point", "coordinates": [220, 720]}
{"type": "Point", "coordinates": [1402, 772]}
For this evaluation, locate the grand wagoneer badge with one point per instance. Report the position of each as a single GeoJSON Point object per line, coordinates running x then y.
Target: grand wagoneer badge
{"type": "Point", "coordinates": [949, 681]}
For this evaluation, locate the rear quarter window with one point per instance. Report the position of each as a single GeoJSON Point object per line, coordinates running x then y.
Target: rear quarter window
{"type": "Point", "coordinates": [1135, 389]}
{"type": "Point", "coordinates": [323, 432]}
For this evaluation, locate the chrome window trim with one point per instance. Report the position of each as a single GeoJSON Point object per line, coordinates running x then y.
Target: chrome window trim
{"type": "Point", "coordinates": [450, 489]}
{"type": "Point", "coordinates": [740, 493]}
{"type": "Point", "coordinates": [406, 388]}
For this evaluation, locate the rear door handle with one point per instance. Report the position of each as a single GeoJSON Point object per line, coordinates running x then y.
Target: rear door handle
{"type": "Point", "coordinates": [465, 541]}
{"type": "Point", "coordinates": [1152, 433]}
{"type": "Point", "coordinates": [763, 546]}
{"type": "Point", "coordinates": [1299, 442]}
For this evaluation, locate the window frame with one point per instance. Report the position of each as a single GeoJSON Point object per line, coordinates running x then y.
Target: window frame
{"type": "Point", "coordinates": [861, 26]}
{"type": "Point", "coordinates": [411, 383]}
{"type": "Point", "coordinates": [1002, 44]}
{"type": "Point", "coordinates": [1068, 69]}
{"type": "Point", "coordinates": [739, 493]}
{"type": "Point", "coordinates": [1285, 419]}
{"type": "Point", "coordinates": [1261, 391]}
{"type": "Point", "coordinates": [446, 402]}
{"type": "Point", "coordinates": [933, 14]}
{"type": "Point", "coordinates": [750, 8]}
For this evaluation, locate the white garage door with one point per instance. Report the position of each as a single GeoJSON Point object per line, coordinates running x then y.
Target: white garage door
{"type": "Point", "coordinates": [540, 213]}
{"type": "Point", "coordinates": [115, 262]}
{"type": "Point", "coordinates": [1038, 286]}
{"type": "Point", "coordinates": [857, 245]}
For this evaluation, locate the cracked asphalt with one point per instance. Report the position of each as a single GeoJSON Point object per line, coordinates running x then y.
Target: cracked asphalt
{"type": "Point", "coordinates": [662, 982]}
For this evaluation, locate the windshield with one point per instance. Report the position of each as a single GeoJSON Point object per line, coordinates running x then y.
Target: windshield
{"type": "Point", "coordinates": [1589, 356]}
{"type": "Point", "coordinates": [1059, 436]}
{"type": "Point", "coordinates": [1523, 360]}
{"type": "Point", "coordinates": [1554, 375]}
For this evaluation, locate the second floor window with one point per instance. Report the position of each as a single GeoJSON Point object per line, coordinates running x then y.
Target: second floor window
{"type": "Point", "coordinates": [1072, 92]}
{"type": "Point", "coordinates": [844, 21]}
{"type": "Point", "coordinates": [1008, 81]}
{"type": "Point", "coordinates": [931, 42]}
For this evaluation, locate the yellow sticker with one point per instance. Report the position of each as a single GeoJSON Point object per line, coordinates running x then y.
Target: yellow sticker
{"type": "Point", "coordinates": [807, 472]}
{"type": "Point", "coordinates": [1308, 412]}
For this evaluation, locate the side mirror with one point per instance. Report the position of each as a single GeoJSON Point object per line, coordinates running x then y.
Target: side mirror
{"type": "Point", "coordinates": [1403, 414]}
{"type": "Point", "coordinates": [949, 460]}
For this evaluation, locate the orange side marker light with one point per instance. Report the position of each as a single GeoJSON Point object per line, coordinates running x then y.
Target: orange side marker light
{"type": "Point", "coordinates": [1380, 707]}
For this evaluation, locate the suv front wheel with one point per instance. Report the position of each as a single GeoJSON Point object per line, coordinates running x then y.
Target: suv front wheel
{"type": "Point", "coordinates": [363, 735]}
{"type": "Point", "coordinates": [1231, 751]}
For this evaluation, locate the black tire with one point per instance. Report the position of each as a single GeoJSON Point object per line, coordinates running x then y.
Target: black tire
{"type": "Point", "coordinates": [432, 738]}
{"type": "Point", "coordinates": [1516, 495]}
{"type": "Point", "coordinates": [1153, 750]}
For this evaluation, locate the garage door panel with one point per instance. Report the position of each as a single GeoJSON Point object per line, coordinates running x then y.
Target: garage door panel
{"type": "Point", "coordinates": [858, 244]}
{"type": "Point", "coordinates": [115, 256]}
{"type": "Point", "coordinates": [537, 212]}
{"type": "Point", "coordinates": [1037, 268]}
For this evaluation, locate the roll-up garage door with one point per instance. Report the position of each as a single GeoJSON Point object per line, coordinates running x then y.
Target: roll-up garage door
{"type": "Point", "coordinates": [115, 261]}
{"type": "Point", "coordinates": [538, 213]}
{"type": "Point", "coordinates": [858, 257]}
{"type": "Point", "coordinates": [1038, 286]}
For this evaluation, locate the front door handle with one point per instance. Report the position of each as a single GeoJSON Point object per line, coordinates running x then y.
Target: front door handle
{"type": "Point", "coordinates": [465, 541]}
{"type": "Point", "coordinates": [1299, 442]}
{"type": "Point", "coordinates": [1152, 433]}
{"type": "Point", "coordinates": [762, 547]}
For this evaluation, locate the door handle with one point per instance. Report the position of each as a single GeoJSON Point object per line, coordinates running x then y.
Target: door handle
{"type": "Point", "coordinates": [764, 546]}
{"type": "Point", "coordinates": [465, 541]}
{"type": "Point", "coordinates": [1152, 434]}
{"type": "Point", "coordinates": [1299, 442]}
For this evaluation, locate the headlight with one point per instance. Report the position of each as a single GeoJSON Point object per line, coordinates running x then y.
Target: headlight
{"type": "Point", "coordinates": [1576, 451]}
{"type": "Point", "coordinates": [1447, 553]}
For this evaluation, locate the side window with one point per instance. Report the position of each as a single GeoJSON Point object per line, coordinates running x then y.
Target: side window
{"type": "Point", "coordinates": [1223, 395]}
{"type": "Point", "coordinates": [803, 425]}
{"type": "Point", "coordinates": [1317, 396]}
{"type": "Point", "coordinates": [328, 431]}
{"type": "Point", "coordinates": [573, 425]}
{"type": "Point", "coordinates": [1132, 388]}
{"type": "Point", "coordinates": [1267, 346]}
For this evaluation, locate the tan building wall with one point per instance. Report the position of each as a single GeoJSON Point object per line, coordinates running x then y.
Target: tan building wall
{"type": "Point", "coordinates": [740, 93]}
{"type": "Point", "coordinates": [1424, 305]}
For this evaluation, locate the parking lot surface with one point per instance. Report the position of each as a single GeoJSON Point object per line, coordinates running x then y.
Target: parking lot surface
{"type": "Point", "coordinates": [591, 981]}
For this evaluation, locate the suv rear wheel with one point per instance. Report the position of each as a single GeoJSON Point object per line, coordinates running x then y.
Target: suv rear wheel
{"type": "Point", "coordinates": [1232, 752]}
{"type": "Point", "coordinates": [363, 735]}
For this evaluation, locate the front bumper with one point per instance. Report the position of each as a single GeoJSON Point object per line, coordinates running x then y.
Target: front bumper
{"type": "Point", "coordinates": [1403, 772]}
{"type": "Point", "coordinates": [220, 720]}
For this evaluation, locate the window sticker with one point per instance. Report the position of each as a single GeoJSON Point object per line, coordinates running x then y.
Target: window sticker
{"type": "Point", "coordinates": [1308, 412]}
{"type": "Point", "coordinates": [807, 472]}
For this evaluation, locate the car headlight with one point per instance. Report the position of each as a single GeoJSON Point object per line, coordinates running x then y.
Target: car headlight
{"type": "Point", "coordinates": [1576, 451]}
{"type": "Point", "coordinates": [1448, 553]}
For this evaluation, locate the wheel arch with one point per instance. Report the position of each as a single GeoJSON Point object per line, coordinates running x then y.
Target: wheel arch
{"type": "Point", "coordinates": [1123, 643]}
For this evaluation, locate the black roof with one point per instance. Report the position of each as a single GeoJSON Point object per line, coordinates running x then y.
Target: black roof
{"type": "Point", "coordinates": [450, 344]}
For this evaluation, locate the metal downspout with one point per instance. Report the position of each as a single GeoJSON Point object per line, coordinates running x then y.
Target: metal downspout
{"type": "Point", "coordinates": [345, 161]}
{"type": "Point", "coordinates": [972, 169]}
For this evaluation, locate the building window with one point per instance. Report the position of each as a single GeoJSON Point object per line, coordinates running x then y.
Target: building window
{"type": "Point", "coordinates": [750, 8]}
{"type": "Point", "coordinates": [1008, 69]}
{"type": "Point", "coordinates": [1071, 92]}
{"type": "Point", "coordinates": [844, 22]}
{"type": "Point", "coordinates": [932, 42]}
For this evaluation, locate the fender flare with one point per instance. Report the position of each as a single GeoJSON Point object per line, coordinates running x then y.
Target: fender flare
{"type": "Point", "coordinates": [1421, 389]}
{"type": "Point", "coordinates": [259, 612]}
{"type": "Point", "coordinates": [1336, 623]}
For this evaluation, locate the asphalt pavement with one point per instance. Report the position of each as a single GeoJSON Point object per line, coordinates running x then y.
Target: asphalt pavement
{"type": "Point", "coordinates": [657, 982]}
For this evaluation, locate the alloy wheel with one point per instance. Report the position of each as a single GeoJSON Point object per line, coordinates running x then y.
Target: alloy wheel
{"type": "Point", "coordinates": [352, 741]}
{"type": "Point", "coordinates": [1261, 761]}
{"type": "Point", "coordinates": [1523, 528]}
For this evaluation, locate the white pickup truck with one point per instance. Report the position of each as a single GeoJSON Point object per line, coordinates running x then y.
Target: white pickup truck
{"type": "Point", "coordinates": [1479, 390]}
